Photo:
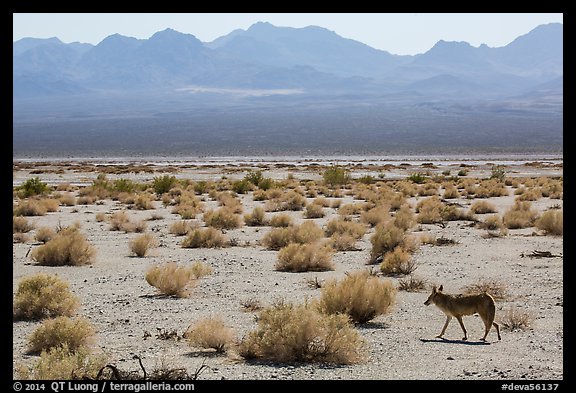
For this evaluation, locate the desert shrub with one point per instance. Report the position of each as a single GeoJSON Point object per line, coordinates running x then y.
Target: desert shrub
{"type": "Point", "coordinates": [314, 211]}
{"type": "Point", "coordinates": [551, 222]}
{"type": "Point", "coordinates": [21, 225]}
{"type": "Point", "coordinates": [256, 218]}
{"type": "Point", "coordinates": [68, 247]}
{"type": "Point", "coordinates": [141, 244]}
{"type": "Point", "coordinates": [281, 220]}
{"type": "Point", "coordinates": [67, 200]}
{"type": "Point", "coordinates": [124, 185]}
{"type": "Point", "coordinates": [386, 237]}
{"type": "Point", "coordinates": [120, 221]}
{"type": "Point", "coordinates": [491, 188]}
{"type": "Point", "coordinates": [143, 202]}
{"type": "Point", "coordinates": [339, 226]}
{"type": "Point", "coordinates": [450, 192]}
{"type": "Point", "coordinates": [496, 288]}
{"type": "Point", "coordinates": [336, 176]}
{"type": "Point", "coordinates": [162, 184]}
{"type": "Point", "coordinates": [172, 279]}
{"type": "Point", "coordinates": [222, 218]}
{"type": "Point", "coordinates": [398, 262]}
{"type": "Point", "coordinates": [204, 238]}
{"type": "Point", "coordinates": [19, 237]}
{"type": "Point", "coordinates": [74, 333]}
{"type": "Point", "coordinates": [530, 194]}
{"type": "Point", "coordinates": [241, 186]}
{"type": "Point", "coordinates": [50, 204]}
{"type": "Point", "coordinates": [251, 305]}
{"type": "Point", "coordinates": [30, 207]}
{"type": "Point", "coordinates": [343, 242]}
{"type": "Point", "coordinates": [352, 209]}
{"type": "Point", "coordinates": [404, 218]}
{"type": "Point", "coordinates": [359, 295]}
{"type": "Point", "coordinates": [100, 216]}
{"type": "Point", "coordinates": [290, 200]}
{"type": "Point", "coordinates": [411, 284]}
{"type": "Point", "coordinates": [376, 215]}
{"type": "Point", "coordinates": [304, 258]}
{"type": "Point", "coordinates": [428, 189]}
{"type": "Point", "coordinates": [498, 172]}
{"type": "Point", "coordinates": [453, 213]}
{"type": "Point", "coordinates": [321, 201]}
{"type": "Point", "coordinates": [514, 319]}
{"type": "Point", "coordinates": [417, 178]}
{"type": "Point", "coordinates": [210, 333]}
{"type": "Point", "coordinates": [299, 333]}
{"type": "Point", "coordinates": [43, 296]}
{"type": "Point", "coordinates": [482, 207]}
{"type": "Point", "coordinates": [44, 234]}
{"type": "Point", "coordinates": [180, 228]}
{"type": "Point", "coordinates": [59, 363]}
{"type": "Point", "coordinates": [429, 210]}
{"type": "Point", "coordinates": [33, 186]}
{"type": "Point", "coordinates": [521, 215]}
{"type": "Point", "coordinates": [307, 232]}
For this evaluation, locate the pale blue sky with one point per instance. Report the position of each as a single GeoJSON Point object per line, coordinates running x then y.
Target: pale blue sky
{"type": "Point", "coordinates": [396, 33]}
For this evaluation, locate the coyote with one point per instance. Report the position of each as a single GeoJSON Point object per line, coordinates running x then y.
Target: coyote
{"type": "Point", "coordinates": [460, 305]}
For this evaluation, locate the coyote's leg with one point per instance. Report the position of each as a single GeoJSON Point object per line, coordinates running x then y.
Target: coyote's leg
{"type": "Point", "coordinates": [448, 318]}
{"type": "Point", "coordinates": [459, 318]}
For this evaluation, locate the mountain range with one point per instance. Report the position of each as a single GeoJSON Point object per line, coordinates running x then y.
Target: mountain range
{"type": "Point", "coordinates": [311, 59]}
{"type": "Point", "coordinates": [272, 90]}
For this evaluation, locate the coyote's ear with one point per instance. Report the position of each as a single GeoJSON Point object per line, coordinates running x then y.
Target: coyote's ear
{"type": "Point", "coordinates": [441, 288]}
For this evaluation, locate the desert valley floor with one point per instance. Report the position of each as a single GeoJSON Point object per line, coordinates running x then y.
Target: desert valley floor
{"type": "Point", "coordinates": [130, 317]}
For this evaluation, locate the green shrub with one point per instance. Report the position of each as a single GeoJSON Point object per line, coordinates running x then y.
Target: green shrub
{"type": "Point", "coordinates": [33, 186]}
{"type": "Point", "coordinates": [162, 184]}
{"type": "Point", "coordinates": [336, 176]}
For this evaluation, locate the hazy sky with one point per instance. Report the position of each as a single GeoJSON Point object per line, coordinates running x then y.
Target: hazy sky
{"type": "Point", "coordinates": [396, 33]}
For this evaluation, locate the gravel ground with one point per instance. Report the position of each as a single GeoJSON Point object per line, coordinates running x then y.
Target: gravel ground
{"type": "Point", "coordinates": [400, 345]}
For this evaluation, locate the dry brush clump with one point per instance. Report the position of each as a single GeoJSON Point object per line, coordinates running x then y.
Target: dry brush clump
{"type": "Point", "coordinates": [359, 295]}
{"type": "Point", "coordinates": [204, 238]}
{"type": "Point", "coordinates": [43, 296]}
{"type": "Point", "coordinates": [21, 225]}
{"type": "Point", "coordinates": [551, 222]}
{"type": "Point", "coordinates": [172, 279]}
{"type": "Point", "coordinates": [398, 262]}
{"type": "Point", "coordinates": [515, 319]}
{"type": "Point", "coordinates": [376, 215]}
{"type": "Point", "coordinates": [291, 200]}
{"type": "Point", "coordinates": [496, 288]}
{"type": "Point", "coordinates": [281, 220]}
{"type": "Point", "coordinates": [223, 218]}
{"type": "Point", "coordinates": [141, 244]}
{"type": "Point", "coordinates": [300, 333]}
{"type": "Point", "coordinates": [521, 215]}
{"type": "Point", "coordinates": [482, 207]}
{"type": "Point", "coordinates": [385, 239]}
{"type": "Point", "coordinates": [75, 333]}
{"type": "Point", "coordinates": [68, 248]}
{"type": "Point", "coordinates": [210, 333]}
{"type": "Point", "coordinates": [120, 221]}
{"type": "Point", "coordinates": [44, 234]}
{"type": "Point", "coordinates": [180, 228]}
{"type": "Point", "coordinates": [305, 258]}
{"type": "Point", "coordinates": [430, 210]}
{"type": "Point", "coordinates": [314, 211]}
{"type": "Point", "coordinates": [256, 218]}
{"type": "Point", "coordinates": [307, 232]}
{"type": "Point", "coordinates": [60, 363]}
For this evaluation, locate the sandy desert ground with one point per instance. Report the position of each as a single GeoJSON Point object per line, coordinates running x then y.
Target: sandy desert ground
{"type": "Point", "coordinates": [401, 345]}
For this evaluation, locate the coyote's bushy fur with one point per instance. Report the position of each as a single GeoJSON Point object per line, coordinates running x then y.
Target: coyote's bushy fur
{"type": "Point", "coordinates": [459, 305]}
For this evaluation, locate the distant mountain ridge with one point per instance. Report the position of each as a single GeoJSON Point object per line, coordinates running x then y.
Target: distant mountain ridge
{"type": "Point", "coordinates": [266, 56]}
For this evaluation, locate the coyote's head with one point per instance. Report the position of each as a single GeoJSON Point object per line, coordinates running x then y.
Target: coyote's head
{"type": "Point", "coordinates": [433, 295]}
